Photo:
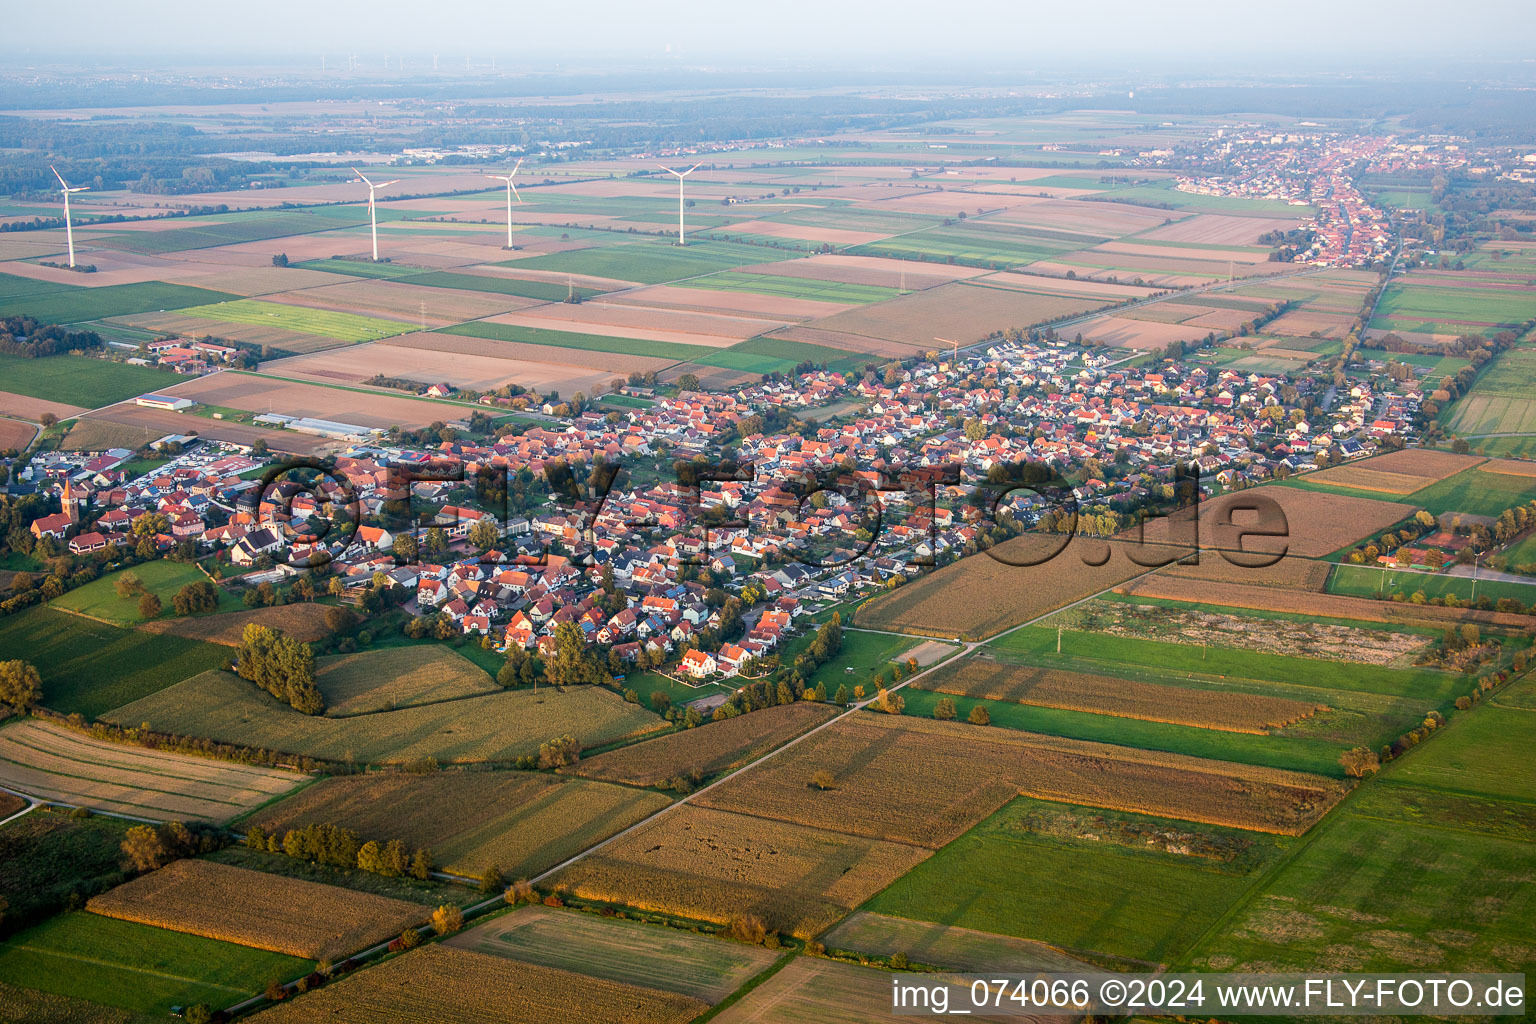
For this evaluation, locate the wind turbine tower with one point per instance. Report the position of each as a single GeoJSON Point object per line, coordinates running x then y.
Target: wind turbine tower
{"type": "Point", "coordinates": [511, 191]}
{"type": "Point", "coordinates": [373, 217]}
{"type": "Point", "coordinates": [679, 175]}
{"type": "Point", "coordinates": [69, 228]}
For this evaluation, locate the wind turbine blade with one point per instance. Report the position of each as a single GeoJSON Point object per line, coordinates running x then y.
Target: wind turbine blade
{"type": "Point", "coordinates": [515, 194]}
{"type": "Point", "coordinates": [517, 165]}
{"type": "Point", "coordinates": [666, 168]}
{"type": "Point", "coordinates": [385, 184]}
{"type": "Point", "coordinates": [690, 170]}
{"type": "Point", "coordinates": [80, 188]}
{"type": "Point", "coordinates": [360, 174]}
{"type": "Point", "coordinates": [56, 174]}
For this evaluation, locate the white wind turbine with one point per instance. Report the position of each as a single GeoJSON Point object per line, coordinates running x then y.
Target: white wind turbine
{"type": "Point", "coordinates": [373, 217]}
{"type": "Point", "coordinates": [511, 191]}
{"type": "Point", "coordinates": [679, 175]}
{"type": "Point", "coordinates": [69, 228]}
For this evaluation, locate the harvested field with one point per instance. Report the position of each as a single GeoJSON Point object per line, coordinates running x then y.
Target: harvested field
{"type": "Point", "coordinates": [495, 727]}
{"type": "Point", "coordinates": [439, 983]}
{"type": "Point", "coordinates": [1276, 599]}
{"type": "Point", "coordinates": [713, 865]}
{"type": "Point", "coordinates": [520, 822]}
{"type": "Point", "coordinates": [1121, 698]}
{"type": "Point", "coordinates": [301, 621]}
{"type": "Point", "coordinates": [1301, 324]}
{"type": "Point", "coordinates": [403, 300]}
{"type": "Point", "coordinates": [939, 778]}
{"type": "Point", "coordinates": [1510, 467]}
{"type": "Point", "coordinates": [1290, 573]}
{"type": "Point", "coordinates": [596, 317]}
{"type": "Point", "coordinates": [1399, 472]}
{"type": "Point", "coordinates": [28, 408]}
{"type": "Point", "coordinates": [998, 594]}
{"type": "Point", "coordinates": [262, 394]}
{"type": "Point", "coordinates": [1124, 332]}
{"type": "Point", "coordinates": [54, 763]}
{"type": "Point", "coordinates": [1109, 220]}
{"type": "Point", "coordinates": [357, 684]}
{"type": "Point", "coordinates": [353, 365]}
{"type": "Point", "coordinates": [1025, 281]}
{"type": "Point", "coordinates": [955, 949]}
{"type": "Point", "coordinates": [706, 750]}
{"type": "Point", "coordinates": [710, 300]}
{"type": "Point", "coordinates": [828, 992]}
{"type": "Point", "coordinates": [15, 434]}
{"type": "Point", "coordinates": [253, 908]}
{"type": "Point", "coordinates": [130, 426]}
{"type": "Point", "coordinates": [670, 959]}
{"type": "Point", "coordinates": [1219, 229]}
{"type": "Point", "coordinates": [866, 270]}
{"type": "Point", "coordinates": [1309, 524]}
{"type": "Point", "coordinates": [965, 312]}
{"type": "Point", "coordinates": [527, 356]}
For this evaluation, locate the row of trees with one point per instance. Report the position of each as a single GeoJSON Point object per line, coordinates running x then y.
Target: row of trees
{"type": "Point", "coordinates": [324, 843]}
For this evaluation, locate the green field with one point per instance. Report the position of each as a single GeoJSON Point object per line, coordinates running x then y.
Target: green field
{"type": "Point", "coordinates": [1475, 491]}
{"type": "Point", "coordinates": [801, 351]}
{"type": "Point", "coordinates": [160, 577]}
{"type": "Point", "coordinates": [1502, 400]}
{"type": "Point", "coordinates": [90, 667]}
{"type": "Point", "coordinates": [137, 966]}
{"type": "Point", "coordinates": [1098, 651]}
{"type": "Point", "coordinates": [72, 304]}
{"type": "Point", "coordinates": [1008, 877]}
{"type": "Point", "coordinates": [245, 226]}
{"type": "Point", "coordinates": [1486, 754]}
{"type": "Point", "coordinates": [549, 291]}
{"type": "Point", "coordinates": [1304, 753]}
{"type": "Point", "coordinates": [322, 322]}
{"type": "Point", "coordinates": [80, 380]}
{"type": "Point", "coordinates": [1385, 895]}
{"type": "Point", "coordinates": [975, 245]}
{"type": "Point", "coordinates": [794, 287]}
{"type": "Point", "coordinates": [1439, 308]}
{"type": "Point", "coordinates": [1166, 195]}
{"type": "Point", "coordinates": [1363, 581]}
{"type": "Point", "coordinates": [652, 262]}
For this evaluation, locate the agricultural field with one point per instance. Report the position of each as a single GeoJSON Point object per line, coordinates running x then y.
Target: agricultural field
{"type": "Point", "coordinates": [263, 911]}
{"type": "Point", "coordinates": [985, 679]}
{"type": "Point", "coordinates": [91, 667]}
{"type": "Point", "coordinates": [949, 947]}
{"type": "Point", "coordinates": [72, 304]}
{"type": "Point", "coordinates": [795, 287]}
{"type": "Point", "coordinates": [706, 864]}
{"type": "Point", "coordinates": [1454, 303]}
{"type": "Point", "coordinates": [1342, 896]}
{"type": "Point", "coordinates": [1499, 401]}
{"type": "Point", "coordinates": [51, 762]}
{"type": "Point", "coordinates": [302, 621]}
{"type": "Point", "coordinates": [669, 959]}
{"type": "Point", "coordinates": [370, 681]}
{"type": "Point", "coordinates": [1401, 472]}
{"type": "Point", "coordinates": [875, 752]}
{"type": "Point", "coordinates": [650, 262]}
{"type": "Point", "coordinates": [1003, 591]}
{"type": "Point", "coordinates": [1130, 887]}
{"type": "Point", "coordinates": [99, 598]}
{"type": "Point", "coordinates": [519, 822]}
{"type": "Point", "coordinates": [342, 327]}
{"type": "Point", "coordinates": [437, 983]}
{"type": "Point", "coordinates": [80, 381]}
{"type": "Point", "coordinates": [1305, 523]}
{"type": "Point", "coordinates": [827, 992]}
{"type": "Point", "coordinates": [495, 727]}
{"type": "Point", "coordinates": [28, 1006]}
{"type": "Point", "coordinates": [706, 750]}
{"type": "Point", "coordinates": [135, 967]}
{"type": "Point", "coordinates": [1477, 491]}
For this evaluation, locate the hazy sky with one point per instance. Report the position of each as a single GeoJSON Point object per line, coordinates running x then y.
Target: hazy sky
{"type": "Point", "coordinates": [1007, 32]}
